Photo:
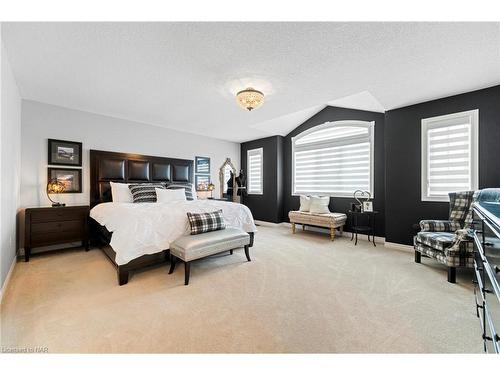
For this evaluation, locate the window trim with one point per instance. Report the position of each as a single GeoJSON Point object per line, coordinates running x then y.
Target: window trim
{"type": "Point", "coordinates": [370, 125]}
{"type": "Point", "coordinates": [260, 151]}
{"type": "Point", "coordinates": [430, 123]}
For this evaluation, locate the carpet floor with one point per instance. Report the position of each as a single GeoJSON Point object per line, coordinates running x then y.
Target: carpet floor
{"type": "Point", "coordinates": [300, 294]}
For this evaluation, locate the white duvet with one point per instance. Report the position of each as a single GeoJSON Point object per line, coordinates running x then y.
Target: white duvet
{"type": "Point", "coordinates": [146, 228]}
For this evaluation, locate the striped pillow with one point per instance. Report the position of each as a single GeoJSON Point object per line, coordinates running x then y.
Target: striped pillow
{"type": "Point", "coordinates": [187, 186]}
{"type": "Point", "coordinates": [206, 222]}
{"type": "Point", "coordinates": [145, 193]}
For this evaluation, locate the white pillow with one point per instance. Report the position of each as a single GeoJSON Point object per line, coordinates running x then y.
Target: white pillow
{"type": "Point", "coordinates": [121, 193]}
{"type": "Point", "coordinates": [319, 205]}
{"type": "Point", "coordinates": [170, 195]}
{"type": "Point", "coordinates": [305, 203]}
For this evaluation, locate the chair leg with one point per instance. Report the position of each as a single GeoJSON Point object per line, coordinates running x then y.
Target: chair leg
{"type": "Point", "coordinates": [187, 270]}
{"type": "Point", "coordinates": [418, 257]}
{"type": "Point", "coordinates": [293, 228]}
{"type": "Point", "coordinates": [231, 252]}
{"type": "Point", "coordinates": [452, 275]}
{"type": "Point", "coordinates": [303, 227]}
{"type": "Point", "coordinates": [173, 259]}
{"type": "Point", "coordinates": [332, 233]}
{"type": "Point", "coordinates": [247, 252]}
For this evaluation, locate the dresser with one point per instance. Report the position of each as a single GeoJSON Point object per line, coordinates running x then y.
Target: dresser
{"type": "Point", "coordinates": [46, 226]}
{"type": "Point", "coordinates": [487, 272]}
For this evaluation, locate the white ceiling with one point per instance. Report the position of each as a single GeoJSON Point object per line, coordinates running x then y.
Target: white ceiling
{"type": "Point", "coordinates": [184, 75]}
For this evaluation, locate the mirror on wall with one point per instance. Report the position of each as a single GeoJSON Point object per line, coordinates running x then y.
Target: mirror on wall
{"type": "Point", "coordinates": [227, 179]}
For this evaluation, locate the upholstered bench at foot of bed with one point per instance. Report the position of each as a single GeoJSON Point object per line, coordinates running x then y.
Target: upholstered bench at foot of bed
{"type": "Point", "coordinates": [191, 247]}
{"type": "Point", "coordinates": [332, 220]}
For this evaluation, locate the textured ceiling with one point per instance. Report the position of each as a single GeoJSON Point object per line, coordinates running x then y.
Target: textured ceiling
{"type": "Point", "coordinates": [184, 75]}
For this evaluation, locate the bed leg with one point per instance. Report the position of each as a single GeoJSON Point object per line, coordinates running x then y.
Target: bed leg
{"type": "Point", "coordinates": [173, 259]}
{"type": "Point", "coordinates": [122, 276]}
{"type": "Point", "coordinates": [247, 253]}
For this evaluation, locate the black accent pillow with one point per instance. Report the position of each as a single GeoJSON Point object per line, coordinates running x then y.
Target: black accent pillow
{"type": "Point", "coordinates": [206, 222]}
{"type": "Point", "coordinates": [144, 193]}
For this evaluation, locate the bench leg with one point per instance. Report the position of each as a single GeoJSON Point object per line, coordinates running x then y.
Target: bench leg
{"type": "Point", "coordinates": [332, 233]}
{"type": "Point", "coordinates": [187, 270]}
{"type": "Point", "coordinates": [173, 259]}
{"type": "Point", "coordinates": [247, 252]}
{"type": "Point", "coordinates": [293, 228]}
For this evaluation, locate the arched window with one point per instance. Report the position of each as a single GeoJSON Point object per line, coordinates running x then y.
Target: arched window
{"type": "Point", "coordinates": [334, 158]}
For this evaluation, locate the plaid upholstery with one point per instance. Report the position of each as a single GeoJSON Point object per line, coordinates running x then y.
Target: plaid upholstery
{"type": "Point", "coordinates": [466, 260]}
{"type": "Point", "coordinates": [439, 225]}
{"type": "Point", "coordinates": [145, 193]}
{"type": "Point", "coordinates": [206, 222]}
{"type": "Point", "coordinates": [469, 217]}
{"type": "Point", "coordinates": [445, 240]}
{"type": "Point", "coordinates": [437, 240]}
{"type": "Point", "coordinates": [187, 186]}
{"type": "Point", "coordinates": [459, 205]}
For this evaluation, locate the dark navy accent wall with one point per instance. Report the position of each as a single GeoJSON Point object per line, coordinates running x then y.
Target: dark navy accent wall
{"type": "Point", "coordinates": [269, 205]}
{"type": "Point", "coordinates": [403, 157]}
{"type": "Point", "coordinates": [397, 162]}
{"type": "Point", "coordinates": [340, 204]}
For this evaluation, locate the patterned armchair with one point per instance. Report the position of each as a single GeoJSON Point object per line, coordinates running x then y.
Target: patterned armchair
{"type": "Point", "coordinates": [449, 241]}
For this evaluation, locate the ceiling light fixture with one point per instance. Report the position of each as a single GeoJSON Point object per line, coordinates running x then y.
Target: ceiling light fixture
{"type": "Point", "coordinates": [250, 98]}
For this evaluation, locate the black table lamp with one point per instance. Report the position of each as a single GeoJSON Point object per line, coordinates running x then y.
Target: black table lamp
{"type": "Point", "coordinates": [55, 187]}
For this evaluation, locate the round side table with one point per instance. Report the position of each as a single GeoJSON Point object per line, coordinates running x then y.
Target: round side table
{"type": "Point", "coordinates": [368, 227]}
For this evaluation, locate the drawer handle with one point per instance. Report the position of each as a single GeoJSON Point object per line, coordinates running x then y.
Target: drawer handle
{"type": "Point", "coordinates": [487, 337]}
{"type": "Point", "coordinates": [488, 244]}
{"type": "Point", "coordinates": [487, 291]}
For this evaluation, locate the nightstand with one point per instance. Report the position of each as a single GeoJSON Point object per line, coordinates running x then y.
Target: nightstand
{"type": "Point", "coordinates": [46, 226]}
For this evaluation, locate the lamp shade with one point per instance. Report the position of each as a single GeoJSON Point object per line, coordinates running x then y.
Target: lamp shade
{"type": "Point", "coordinates": [55, 187]}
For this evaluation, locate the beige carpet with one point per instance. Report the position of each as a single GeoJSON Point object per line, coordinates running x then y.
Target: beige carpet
{"type": "Point", "coordinates": [301, 293]}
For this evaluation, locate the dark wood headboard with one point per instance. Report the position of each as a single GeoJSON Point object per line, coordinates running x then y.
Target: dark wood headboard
{"type": "Point", "coordinates": [106, 166]}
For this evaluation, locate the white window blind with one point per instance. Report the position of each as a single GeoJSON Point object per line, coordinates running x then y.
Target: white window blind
{"type": "Point", "coordinates": [254, 166]}
{"type": "Point", "coordinates": [334, 158]}
{"type": "Point", "coordinates": [449, 155]}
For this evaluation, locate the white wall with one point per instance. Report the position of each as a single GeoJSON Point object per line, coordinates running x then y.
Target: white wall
{"type": "Point", "coordinates": [42, 121]}
{"type": "Point", "coordinates": [10, 163]}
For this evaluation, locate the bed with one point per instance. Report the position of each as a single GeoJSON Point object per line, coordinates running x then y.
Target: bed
{"type": "Point", "coordinates": [137, 235]}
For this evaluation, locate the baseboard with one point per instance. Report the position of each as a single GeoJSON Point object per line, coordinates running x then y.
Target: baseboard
{"type": "Point", "coordinates": [267, 223]}
{"type": "Point", "coordinates": [7, 279]}
{"type": "Point", "coordinates": [399, 246]}
{"type": "Point", "coordinates": [379, 240]}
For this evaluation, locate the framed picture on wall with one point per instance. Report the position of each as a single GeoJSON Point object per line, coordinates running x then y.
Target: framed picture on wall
{"type": "Point", "coordinates": [65, 153]}
{"type": "Point", "coordinates": [201, 182]}
{"type": "Point", "coordinates": [202, 165]}
{"type": "Point", "coordinates": [71, 178]}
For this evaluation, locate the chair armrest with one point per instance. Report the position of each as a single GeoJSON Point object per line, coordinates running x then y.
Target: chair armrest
{"type": "Point", "coordinates": [439, 225]}
{"type": "Point", "coordinates": [463, 244]}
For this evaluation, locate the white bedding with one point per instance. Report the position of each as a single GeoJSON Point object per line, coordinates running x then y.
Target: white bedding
{"type": "Point", "coordinates": [147, 228]}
